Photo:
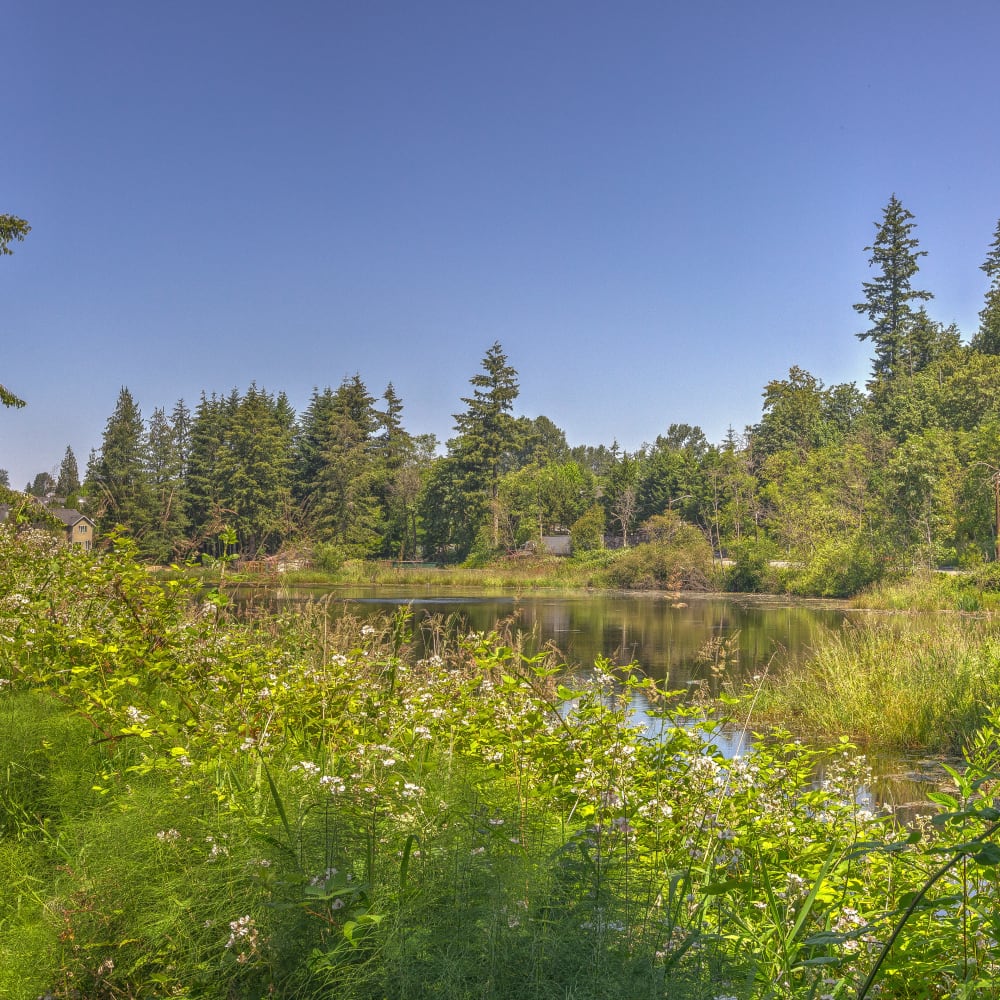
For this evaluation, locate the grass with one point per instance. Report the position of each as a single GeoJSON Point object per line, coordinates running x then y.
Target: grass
{"type": "Point", "coordinates": [925, 683]}
{"type": "Point", "coordinates": [970, 591]}
{"type": "Point", "coordinates": [198, 805]}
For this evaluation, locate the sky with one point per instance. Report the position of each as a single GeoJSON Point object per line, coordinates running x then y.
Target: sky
{"type": "Point", "coordinates": [655, 207]}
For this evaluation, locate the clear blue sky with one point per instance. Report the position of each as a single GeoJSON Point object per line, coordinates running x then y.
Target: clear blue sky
{"type": "Point", "coordinates": [655, 207]}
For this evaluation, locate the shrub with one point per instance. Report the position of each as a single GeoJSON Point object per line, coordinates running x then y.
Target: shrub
{"type": "Point", "coordinates": [677, 558]}
{"type": "Point", "coordinates": [328, 557]}
{"type": "Point", "coordinates": [751, 570]}
{"type": "Point", "coordinates": [587, 532]}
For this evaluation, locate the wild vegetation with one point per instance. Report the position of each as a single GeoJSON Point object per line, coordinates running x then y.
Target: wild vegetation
{"type": "Point", "coordinates": [833, 490]}
{"type": "Point", "coordinates": [206, 806]}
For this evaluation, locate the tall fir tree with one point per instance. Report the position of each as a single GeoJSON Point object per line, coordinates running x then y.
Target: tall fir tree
{"type": "Point", "coordinates": [206, 510]}
{"type": "Point", "coordinates": [889, 296]}
{"type": "Point", "coordinates": [68, 484]}
{"type": "Point", "coordinates": [255, 465]}
{"type": "Point", "coordinates": [488, 436]}
{"type": "Point", "coordinates": [120, 482]}
{"type": "Point", "coordinates": [344, 503]}
{"type": "Point", "coordinates": [165, 466]}
{"type": "Point", "coordinates": [987, 338]}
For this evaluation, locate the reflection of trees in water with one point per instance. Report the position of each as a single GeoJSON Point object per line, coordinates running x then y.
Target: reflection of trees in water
{"type": "Point", "coordinates": [675, 640]}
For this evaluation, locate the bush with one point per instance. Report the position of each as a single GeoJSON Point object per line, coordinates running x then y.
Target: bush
{"type": "Point", "coordinates": [751, 570]}
{"type": "Point", "coordinates": [678, 558]}
{"type": "Point", "coordinates": [587, 532]}
{"type": "Point", "coordinates": [838, 568]}
{"type": "Point", "coordinates": [328, 557]}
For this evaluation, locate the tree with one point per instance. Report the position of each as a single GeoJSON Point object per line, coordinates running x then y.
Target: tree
{"type": "Point", "coordinates": [487, 437]}
{"type": "Point", "coordinates": [69, 476]}
{"type": "Point", "coordinates": [255, 464]}
{"type": "Point", "coordinates": [120, 482]}
{"type": "Point", "coordinates": [987, 340]}
{"type": "Point", "coordinates": [206, 511]}
{"type": "Point", "coordinates": [165, 468]}
{"type": "Point", "coordinates": [342, 497]}
{"type": "Point", "coordinates": [5, 479]}
{"type": "Point", "coordinates": [889, 296]}
{"type": "Point", "coordinates": [11, 228]}
{"type": "Point", "coordinates": [42, 485]}
{"type": "Point", "coordinates": [621, 494]}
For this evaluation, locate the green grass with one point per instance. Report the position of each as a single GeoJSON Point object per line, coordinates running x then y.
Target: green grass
{"type": "Point", "coordinates": [970, 591]}
{"type": "Point", "coordinates": [902, 682]}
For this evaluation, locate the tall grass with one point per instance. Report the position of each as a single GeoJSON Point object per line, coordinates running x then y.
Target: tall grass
{"type": "Point", "coordinates": [927, 682]}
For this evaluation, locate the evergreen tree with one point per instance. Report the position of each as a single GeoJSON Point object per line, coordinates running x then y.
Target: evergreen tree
{"type": "Point", "coordinates": [343, 501]}
{"type": "Point", "coordinates": [68, 483]}
{"type": "Point", "coordinates": [255, 465]}
{"type": "Point", "coordinates": [5, 479]}
{"type": "Point", "coordinates": [396, 478]}
{"type": "Point", "coordinates": [165, 468]}
{"type": "Point", "coordinates": [310, 442]}
{"type": "Point", "coordinates": [987, 339]}
{"type": "Point", "coordinates": [889, 296]}
{"type": "Point", "coordinates": [206, 511]}
{"type": "Point", "coordinates": [120, 481]}
{"type": "Point", "coordinates": [487, 438]}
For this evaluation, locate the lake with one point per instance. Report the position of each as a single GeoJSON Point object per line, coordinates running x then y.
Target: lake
{"type": "Point", "coordinates": [713, 639]}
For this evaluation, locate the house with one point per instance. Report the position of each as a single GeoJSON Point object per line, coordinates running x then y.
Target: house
{"type": "Point", "coordinates": [79, 529]}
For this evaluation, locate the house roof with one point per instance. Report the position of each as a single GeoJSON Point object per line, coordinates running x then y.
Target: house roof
{"type": "Point", "coordinates": [68, 516]}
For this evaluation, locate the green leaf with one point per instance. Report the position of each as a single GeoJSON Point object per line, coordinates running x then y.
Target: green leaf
{"type": "Point", "coordinates": [988, 856]}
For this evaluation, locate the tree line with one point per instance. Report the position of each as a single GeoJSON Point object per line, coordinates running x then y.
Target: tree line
{"type": "Point", "coordinates": [841, 482]}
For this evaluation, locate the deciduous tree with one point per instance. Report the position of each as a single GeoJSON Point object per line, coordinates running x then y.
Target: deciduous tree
{"type": "Point", "coordinates": [11, 229]}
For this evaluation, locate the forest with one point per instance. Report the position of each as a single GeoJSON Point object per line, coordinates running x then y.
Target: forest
{"type": "Point", "coordinates": [842, 486]}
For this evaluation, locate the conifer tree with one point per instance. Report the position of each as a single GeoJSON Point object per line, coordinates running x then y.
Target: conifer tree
{"type": "Point", "coordinates": [255, 467]}
{"type": "Point", "coordinates": [69, 476]}
{"type": "Point", "coordinates": [343, 499]}
{"type": "Point", "coordinates": [487, 437]}
{"type": "Point", "coordinates": [889, 295]}
{"type": "Point", "coordinates": [987, 339]}
{"type": "Point", "coordinates": [120, 482]}
{"type": "Point", "coordinates": [206, 510]}
{"type": "Point", "coordinates": [165, 466]}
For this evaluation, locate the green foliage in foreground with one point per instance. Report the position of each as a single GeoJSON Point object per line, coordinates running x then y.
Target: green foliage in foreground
{"type": "Point", "coordinates": [195, 806]}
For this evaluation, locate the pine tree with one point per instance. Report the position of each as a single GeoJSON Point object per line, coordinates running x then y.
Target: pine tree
{"type": "Point", "coordinates": [120, 481]}
{"type": "Point", "coordinates": [987, 339]}
{"type": "Point", "coordinates": [68, 483]}
{"type": "Point", "coordinates": [165, 467]}
{"type": "Point", "coordinates": [343, 498]}
{"type": "Point", "coordinates": [255, 467]}
{"type": "Point", "coordinates": [206, 512]}
{"type": "Point", "coordinates": [487, 437]}
{"type": "Point", "coordinates": [889, 295]}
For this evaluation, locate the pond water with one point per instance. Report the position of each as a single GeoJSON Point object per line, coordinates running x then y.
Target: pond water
{"type": "Point", "coordinates": [713, 639]}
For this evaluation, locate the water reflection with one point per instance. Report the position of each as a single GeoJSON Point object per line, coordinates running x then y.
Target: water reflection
{"type": "Point", "coordinates": [712, 639]}
{"type": "Point", "coordinates": [680, 642]}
